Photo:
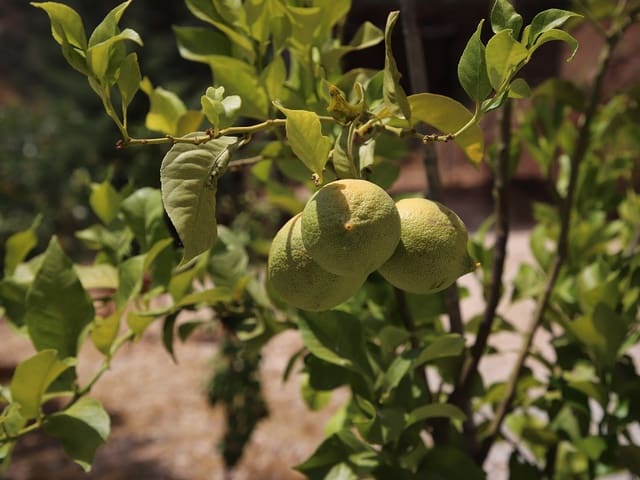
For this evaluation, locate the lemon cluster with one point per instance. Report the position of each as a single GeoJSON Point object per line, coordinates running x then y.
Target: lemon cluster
{"type": "Point", "coordinates": [350, 228]}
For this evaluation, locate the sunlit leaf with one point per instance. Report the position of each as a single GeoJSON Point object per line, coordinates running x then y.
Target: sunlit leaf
{"type": "Point", "coordinates": [548, 20]}
{"type": "Point", "coordinates": [305, 137]}
{"type": "Point", "coordinates": [33, 377]}
{"type": "Point", "coordinates": [189, 176]}
{"type": "Point", "coordinates": [394, 95]}
{"type": "Point", "coordinates": [504, 56]}
{"type": "Point", "coordinates": [18, 246]}
{"type": "Point", "coordinates": [448, 116]}
{"type": "Point", "coordinates": [472, 68]}
{"type": "Point", "coordinates": [165, 108]}
{"type": "Point", "coordinates": [505, 17]}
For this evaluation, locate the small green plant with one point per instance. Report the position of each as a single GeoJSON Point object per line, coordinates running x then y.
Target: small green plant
{"type": "Point", "coordinates": [281, 106]}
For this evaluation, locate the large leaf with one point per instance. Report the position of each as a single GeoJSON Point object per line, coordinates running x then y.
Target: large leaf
{"type": "Point", "coordinates": [448, 116]}
{"type": "Point", "coordinates": [504, 56]}
{"type": "Point", "coordinates": [392, 91]}
{"type": "Point", "coordinates": [335, 337]}
{"type": "Point", "coordinates": [189, 176]}
{"type": "Point", "coordinates": [472, 68]}
{"type": "Point", "coordinates": [81, 429]}
{"type": "Point", "coordinates": [31, 379]}
{"type": "Point", "coordinates": [58, 308]}
{"type": "Point", "coordinates": [19, 245]}
{"type": "Point", "coordinates": [304, 133]}
{"type": "Point", "coordinates": [505, 17]}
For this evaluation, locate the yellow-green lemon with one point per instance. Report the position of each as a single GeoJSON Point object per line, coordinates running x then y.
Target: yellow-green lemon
{"type": "Point", "coordinates": [299, 280]}
{"type": "Point", "coordinates": [432, 252]}
{"type": "Point", "coordinates": [350, 227]}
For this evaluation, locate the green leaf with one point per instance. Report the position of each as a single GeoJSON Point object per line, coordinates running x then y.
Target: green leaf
{"type": "Point", "coordinates": [33, 377]}
{"type": "Point", "coordinates": [472, 68]}
{"type": "Point", "coordinates": [58, 308]}
{"type": "Point", "coordinates": [129, 79]}
{"type": "Point", "coordinates": [81, 429]}
{"type": "Point", "coordinates": [198, 44]}
{"type": "Point", "coordinates": [336, 337]}
{"type": "Point", "coordinates": [448, 116]}
{"type": "Point", "coordinates": [99, 56]}
{"type": "Point", "coordinates": [208, 297]}
{"type": "Point", "coordinates": [131, 271]}
{"type": "Point", "coordinates": [189, 176]}
{"type": "Point", "coordinates": [304, 134]}
{"type": "Point", "coordinates": [144, 215]}
{"type": "Point", "coordinates": [602, 333]}
{"type": "Point", "coordinates": [314, 399]}
{"type": "Point", "coordinates": [168, 331]}
{"type": "Point", "coordinates": [447, 345]}
{"type": "Point", "coordinates": [367, 36]}
{"type": "Point", "coordinates": [435, 410]}
{"type": "Point", "coordinates": [551, 35]}
{"type": "Point", "coordinates": [105, 201]}
{"type": "Point", "coordinates": [242, 79]}
{"type": "Point", "coordinates": [274, 76]}
{"type": "Point", "coordinates": [19, 245]}
{"type": "Point", "coordinates": [165, 109]}
{"type": "Point", "coordinates": [519, 88]}
{"type": "Point", "coordinates": [105, 331]}
{"type": "Point", "coordinates": [504, 56]}
{"type": "Point", "coordinates": [108, 27]}
{"type": "Point", "coordinates": [204, 10]}
{"type": "Point", "coordinates": [548, 20]}
{"type": "Point", "coordinates": [505, 17]}
{"type": "Point", "coordinates": [66, 24]}
{"type": "Point", "coordinates": [448, 462]}
{"type": "Point", "coordinates": [400, 366]}
{"type": "Point", "coordinates": [393, 93]}
{"type": "Point", "coordinates": [221, 111]}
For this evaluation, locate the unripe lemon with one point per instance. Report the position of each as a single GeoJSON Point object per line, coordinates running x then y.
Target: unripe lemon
{"type": "Point", "coordinates": [299, 280]}
{"type": "Point", "coordinates": [350, 227]}
{"type": "Point", "coordinates": [432, 252]}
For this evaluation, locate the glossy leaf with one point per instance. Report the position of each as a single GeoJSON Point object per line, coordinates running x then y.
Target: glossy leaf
{"type": "Point", "coordinates": [108, 27]}
{"type": "Point", "coordinates": [18, 246]}
{"type": "Point", "coordinates": [189, 176]}
{"type": "Point", "coordinates": [505, 17]}
{"type": "Point", "coordinates": [472, 68]}
{"type": "Point", "coordinates": [548, 20]}
{"type": "Point", "coordinates": [305, 137]}
{"type": "Point", "coordinates": [33, 377]}
{"type": "Point", "coordinates": [393, 93]}
{"type": "Point", "coordinates": [504, 56]}
{"type": "Point", "coordinates": [81, 429]}
{"type": "Point", "coordinates": [448, 116]}
{"type": "Point", "coordinates": [58, 308]}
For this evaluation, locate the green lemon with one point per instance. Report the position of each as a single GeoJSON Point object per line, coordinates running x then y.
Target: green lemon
{"type": "Point", "coordinates": [299, 280]}
{"type": "Point", "coordinates": [432, 252]}
{"type": "Point", "coordinates": [350, 227]}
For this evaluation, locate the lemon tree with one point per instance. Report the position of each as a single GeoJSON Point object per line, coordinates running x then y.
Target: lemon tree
{"type": "Point", "coordinates": [284, 133]}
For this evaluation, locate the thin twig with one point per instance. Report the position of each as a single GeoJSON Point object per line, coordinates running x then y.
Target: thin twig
{"type": "Point", "coordinates": [582, 146]}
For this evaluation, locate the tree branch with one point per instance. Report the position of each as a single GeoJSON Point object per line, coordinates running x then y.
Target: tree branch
{"type": "Point", "coordinates": [566, 208]}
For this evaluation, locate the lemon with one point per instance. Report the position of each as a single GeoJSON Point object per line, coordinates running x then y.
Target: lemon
{"type": "Point", "coordinates": [432, 252]}
{"type": "Point", "coordinates": [350, 227]}
{"type": "Point", "coordinates": [299, 280]}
